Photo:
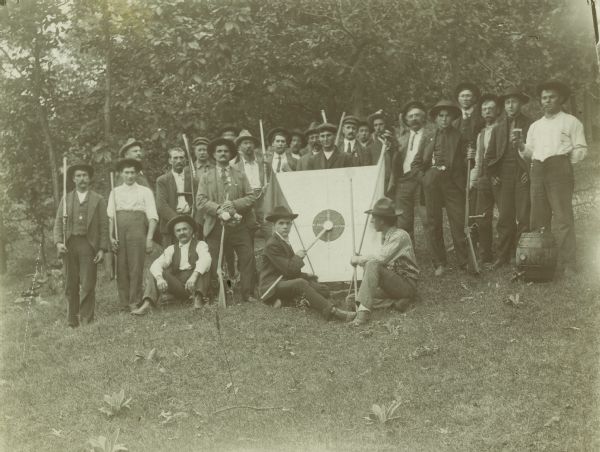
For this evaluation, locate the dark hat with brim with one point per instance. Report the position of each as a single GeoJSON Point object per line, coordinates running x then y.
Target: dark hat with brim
{"type": "Point", "coordinates": [467, 86]}
{"type": "Point", "coordinates": [410, 105]}
{"type": "Point", "coordinates": [350, 120]}
{"type": "Point", "coordinates": [513, 92]}
{"type": "Point", "coordinates": [278, 131]}
{"type": "Point", "coordinates": [129, 144]}
{"type": "Point", "coordinates": [298, 133]}
{"type": "Point", "coordinates": [246, 135]}
{"type": "Point", "coordinates": [313, 129]}
{"type": "Point", "coordinates": [89, 169]}
{"type": "Point", "coordinates": [228, 128]}
{"type": "Point", "coordinates": [377, 115]}
{"type": "Point", "coordinates": [180, 219]}
{"type": "Point", "coordinates": [448, 105]}
{"type": "Point", "coordinates": [279, 213]}
{"type": "Point", "coordinates": [384, 207]}
{"type": "Point", "coordinates": [327, 127]}
{"type": "Point", "coordinates": [487, 97]}
{"type": "Point", "coordinates": [563, 90]}
{"type": "Point", "coordinates": [200, 140]}
{"type": "Point", "coordinates": [212, 146]}
{"type": "Point", "coordinates": [127, 163]}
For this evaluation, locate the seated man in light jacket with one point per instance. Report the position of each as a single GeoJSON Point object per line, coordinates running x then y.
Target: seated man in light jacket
{"type": "Point", "coordinates": [182, 270]}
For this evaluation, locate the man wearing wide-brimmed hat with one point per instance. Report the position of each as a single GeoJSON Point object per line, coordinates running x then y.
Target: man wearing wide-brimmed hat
{"type": "Point", "coordinates": [182, 270]}
{"type": "Point", "coordinates": [442, 164]}
{"type": "Point", "coordinates": [329, 156]}
{"type": "Point", "coordinates": [312, 146]}
{"type": "Point", "coordinates": [86, 242]}
{"type": "Point", "coordinates": [281, 276]}
{"type": "Point", "coordinates": [350, 145]}
{"type": "Point", "coordinates": [390, 276]}
{"type": "Point", "coordinates": [281, 161]}
{"type": "Point", "coordinates": [469, 122]}
{"type": "Point", "coordinates": [297, 143]}
{"type": "Point", "coordinates": [229, 132]}
{"type": "Point", "coordinates": [554, 143]}
{"type": "Point", "coordinates": [225, 197]}
{"type": "Point", "coordinates": [509, 174]}
{"type": "Point", "coordinates": [132, 149]}
{"type": "Point", "coordinates": [202, 161]}
{"type": "Point", "coordinates": [132, 208]}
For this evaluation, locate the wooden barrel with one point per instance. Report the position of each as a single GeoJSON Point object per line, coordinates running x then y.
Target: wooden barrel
{"type": "Point", "coordinates": [537, 255]}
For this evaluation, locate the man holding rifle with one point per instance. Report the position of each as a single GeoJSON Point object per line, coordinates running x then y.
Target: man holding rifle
{"type": "Point", "coordinates": [82, 244]}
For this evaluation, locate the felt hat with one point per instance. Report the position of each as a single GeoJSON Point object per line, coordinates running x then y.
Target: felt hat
{"type": "Point", "coordinates": [300, 134]}
{"type": "Point", "coordinates": [218, 141]}
{"type": "Point", "coordinates": [350, 120]}
{"type": "Point", "coordinates": [278, 131]}
{"type": "Point", "coordinates": [127, 163]}
{"type": "Point", "coordinates": [180, 219]}
{"type": "Point", "coordinates": [377, 115]}
{"type": "Point", "coordinates": [313, 128]}
{"type": "Point", "coordinates": [409, 106]}
{"type": "Point", "coordinates": [79, 166]}
{"type": "Point", "coordinates": [467, 85]}
{"type": "Point", "coordinates": [487, 97]}
{"type": "Point", "coordinates": [228, 128]}
{"type": "Point", "coordinates": [327, 127]}
{"type": "Point", "coordinates": [280, 212]}
{"type": "Point", "coordinates": [513, 92]}
{"type": "Point", "coordinates": [445, 105]}
{"type": "Point", "coordinates": [555, 85]}
{"type": "Point", "coordinates": [246, 135]}
{"type": "Point", "coordinates": [200, 140]}
{"type": "Point", "coordinates": [384, 207]}
{"type": "Point", "coordinates": [128, 144]}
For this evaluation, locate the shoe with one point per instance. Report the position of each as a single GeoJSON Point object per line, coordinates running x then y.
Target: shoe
{"type": "Point", "coordinates": [362, 318]}
{"type": "Point", "coordinates": [277, 304]}
{"type": "Point", "coordinates": [340, 314]}
{"type": "Point", "coordinates": [402, 304]}
{"type": "Point", "coordinates": [198, 301]}
{"type": "Point", "coordinates": [498, 263]}
{"type": "Point", "coordinates": [142, 309]}
{"type": "Point", "coordinates": [439, 270]}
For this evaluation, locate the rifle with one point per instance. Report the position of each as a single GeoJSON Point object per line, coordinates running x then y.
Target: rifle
{"type": "Point", "coordinates": [113, 273]}
{"type": "Point", "coordinates": [472, 263]}
{"type": "Point", "coordinates": [65, 216]}
{"type": "Point", "coordinates": [323, 116]}
{"type": "Point", "coordinates": [264, 152]}
{"type": "Point", "coordinates": [222, 299]}
{"type": "Point", "coordinates": [192, 171]}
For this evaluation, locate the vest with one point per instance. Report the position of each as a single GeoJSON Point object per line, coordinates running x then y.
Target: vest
{"type": "Point", "coordinates": [192, 256]}
{"type": "Point", "coordinates": [80, 215]}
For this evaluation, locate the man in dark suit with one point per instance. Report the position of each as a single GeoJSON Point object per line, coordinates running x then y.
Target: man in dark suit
{"type": "Point", "coordinates": [281, 276]}
{"type": "Point", "coordinates": [509, 174]}
{"type": "Point", "coordinates": [442, 165]}
{"type": "Point", "coordinates": [329, 156]}
{"type": "Point", "coordinates": [382, 140]}
{"type": "Point", "coordinates": [469, 122]}
{"type": "Point", "coordinates": [405, 184]}
{"type": "Point", "coordinates": [82, 245]}
{"type": "Point", "coordinates": [132, 149]}
{"type": "Point", "coordinates": [225, 196]}
{"type": "Point", "coordinates": [174, 193]}
{"type": "Point", "coordinates": [350, 145]}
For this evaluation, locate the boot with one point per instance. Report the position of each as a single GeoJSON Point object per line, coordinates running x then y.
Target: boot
{"type": "Point", "coordinates": [142, 309]}
{"type": "Point", "coordinates": [340, 314]}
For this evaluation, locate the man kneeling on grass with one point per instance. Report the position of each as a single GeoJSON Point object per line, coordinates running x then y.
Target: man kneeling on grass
{"type": "Point", "coordinates": [280, 277]}
{"type": "Point", "coordinates": [390, 278]}
{"type": "Point", "coordinates": [182, 270]}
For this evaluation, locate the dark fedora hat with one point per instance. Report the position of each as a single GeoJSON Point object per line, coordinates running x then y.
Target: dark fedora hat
{"type": "Point", "coordinates": [445, 105]}
{"type": "Point", "coordinates": [467, 86]}
{"type": "Point", "coordinates": [278, 131]}
{"type": "Point", "coordinates": [279, 213]}
{"type": "Point", "coordinates": [180, 219]}
{"type": "Point", "coordinates": [555, 85]}
{"type": "Point", "coordinates": [384, 207]}
{"type": "Point", "coordinates": [89, 169]}
{"type": "Point", "coordinates": [127, 163]}
{"type": "Point", "coordinates": [212, 146]}
{"type": "Point", "coordinates": [228, 128]}
{"type": "Point", "coordinates": [313, 128]}
{"type": "Point", "coordinates": [246, 135]}
{"type": "Point", "coordinates": [487, 97]}
{"type": "Point", "coordinates": [300, 134]}
{"type": "Point", "coordinates": [131, 142]}
{"type": "Point", "coordinates": [327, 127]}
{"type": "Point", "coordinates": [409, 106]}
{"type": "Point", "coordinates": [513, 92]}
{"type": "Point", "coordinates": [200, 140]}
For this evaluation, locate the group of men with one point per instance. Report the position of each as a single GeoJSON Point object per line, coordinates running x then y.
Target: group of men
{"type": "Point", "coordinates": [214, 208]}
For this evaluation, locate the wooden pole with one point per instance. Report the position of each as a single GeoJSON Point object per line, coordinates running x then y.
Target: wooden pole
{"type": "Point", "coordinates": [192, 172]}
{"type": "Point", "coordinates": [64, 218]}
{"type": "Point", "coordinates": [323, 116]}
{"type": "Point", "coordinates": [264, 152]}
{"type": "Point", "coordinates": [354, 272]}
{"type": "Point", "coordinates": [112, 188]}
{"type": "Point", "coordinates": [339, 130]}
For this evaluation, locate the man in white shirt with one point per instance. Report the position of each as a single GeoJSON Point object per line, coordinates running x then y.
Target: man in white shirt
{"type": "Point", "coordinates": [182, 270]}
{"type": "Point", "coordinates": [133, 219]}
{"type": "Point", "coordinates": [554, 143]}
{"type": "Point", "coordinates": [132, 149]}
{"type": "Point", "coordinates": [350, 145]}
{"type": "Point", "coordinates": [281, 160]}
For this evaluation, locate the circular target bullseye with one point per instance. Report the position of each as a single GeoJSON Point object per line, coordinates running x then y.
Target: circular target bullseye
{"type": "Point", "coordinates": [330, 220]}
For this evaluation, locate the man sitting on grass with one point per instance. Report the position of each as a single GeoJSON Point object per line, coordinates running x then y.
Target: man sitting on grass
{"type": "Point", "coordinates": [390, 277]}
{"type": "Point", "coordinates": [281, 277]}
{"type": "Point", "coordinates": [182, 270]}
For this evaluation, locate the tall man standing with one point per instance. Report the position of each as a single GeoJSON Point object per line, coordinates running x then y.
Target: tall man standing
{"type": "Point", "coordinates": [350, 145]}
{"type": "Point", "coordinates": [223, 193]}
{"type": "Point", "coordinates": [469, 122]}
{"type": "Point", "coordinates": [131, 206]}
{"type": "Point", "coordinates": [86, 242]}
{"type": "Point", "coordinates": [554, 143]}
{"type": "Point", "coordinates": [329, 156]}
{"type": "Point", "coordinates": [509, 174]}
{"type": "Point", "coordinates": [132, 149]}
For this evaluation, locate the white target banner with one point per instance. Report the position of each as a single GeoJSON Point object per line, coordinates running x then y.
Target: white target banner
{"type": "Point", "coordinates": [332, 199]}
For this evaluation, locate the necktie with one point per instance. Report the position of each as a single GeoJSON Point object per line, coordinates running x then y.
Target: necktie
{"type": "Point", "coordinates": [278, 164]}
{"type": "Point", "coordinates": [411, 142]}
{"type": "Point", "coordinates": [466, 115]}
{"type": "Point", "coordinates": [224, 180]}
{"type": "Point", "coordinates": [349, 148]}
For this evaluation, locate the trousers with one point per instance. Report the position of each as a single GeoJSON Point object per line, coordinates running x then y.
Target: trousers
{"type": "Point", "coordinates": [485, 206]}
{"type": "Point", "coordinates": [380, 284]}
{"type": "Point", "coordinates": [175, 285]}
{"type": "Point", "coordinates": [408, 197]}
{"type": "Point", "coordinates": [316, 294]}
{"type": "Point", "coordinates": [132, 228]}
{"type": "Point", "coordinates": [80, 280]}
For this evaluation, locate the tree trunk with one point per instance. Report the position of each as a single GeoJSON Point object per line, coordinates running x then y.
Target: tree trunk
{"type": "Point", "coordinates": [108, 71]}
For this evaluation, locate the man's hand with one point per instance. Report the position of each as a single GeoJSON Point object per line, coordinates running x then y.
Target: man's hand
{"type": "Point", "coordinates": [470, 152]}
{"type": "Point", "coordinates": [185, 209]}
{"type": "Point", "coordinates": [301, 254]}
{"type": "Point", "coordinates": [99, 256]}
{"type": "Point", "coordinates": [114, 243]}
{"type": "Point", "coordinates": [149, 246]}
{"type": "Point", "coordinates": [516, 138]}
{"type": "Point", "coordinates": [495, 180]}
{"type": "Point", "coordinates": [228, 206]}
{"type": "Point", "coordinates": [61, 249]}
{"type": "Point", "coordinates": [162, 285]}
{"type": "Point", "coordinates": [524, 178]}
{"type": "Point", "coordinates": [190, 284]}
{"type": "Point", "coordinates": [355, 260]}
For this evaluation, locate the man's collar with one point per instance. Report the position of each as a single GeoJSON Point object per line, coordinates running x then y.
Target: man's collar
{"type": "Point", "coordinates": [181, 245]}
{"type": "Point", "coordinates": [176, 174]}
{"type": "Point", "coordinates": [468, 110]}
{"type": "Point", "coordinates": [281, 237]}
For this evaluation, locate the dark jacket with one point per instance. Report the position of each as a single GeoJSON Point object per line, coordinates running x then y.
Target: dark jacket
{"type": "Point", "coordinates": [337, 160]}
{"type": "Point", "coordinates": [97, 221]}
{"type": "Point", "coordinates": [470, 127]}
{"type": "Point", "coordinates": [360, 155]}
{"type": "Point", "coordinates": [278, 259]}
{"type": "Point", "coordinates": [399, 157]}
{"type": "Point", "coordinates": [166, 196]}
{"type": "Point", "coordinates": [500, 144]}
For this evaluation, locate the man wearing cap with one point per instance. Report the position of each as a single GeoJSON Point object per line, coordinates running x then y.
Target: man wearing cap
{"type": "Point", "coordinates": [297, 143]}
{"type": "Point", "coordinates": [350, 145]}
{"type": "Point", "coordinates": [281, 160]}
{"type": "Point", "coordinates": [132, 149]}
{"type": "Point", "coordinates": [509, 174]}
{"type": "Point", "coordinates": [442, 166]}
{"type": "Point", "coordinates": [281, 276]}
{"type": "Point", "coordinates": [480, 183]}
{"type": "Point", "coordinates": [224, 194]}
{"type": "Point", "coordinates": [555, 142]}
{"type": "Point", "coordinates": [86, 242]}
{"type": "Point", "coordinates": [363, 133]}
{"type": "Point", "coordinates": [329, 156]}
{"type": "Point", "coordinates": [312, 147]}
{"type": "Point", "coordinates": [182, 270]}
{"type": "Point", "coordinates": [133, 209]}
{"type": "Point", "coordinates": [404, 181]}
{"type": "Point", "coordinates": [390, 276]}
{"type": "Point", "coordinates": [203, 162]}
{"type": "Point", "coordinates": [174, 193]}
{"type": "Point", "coordinates": [469, 122]}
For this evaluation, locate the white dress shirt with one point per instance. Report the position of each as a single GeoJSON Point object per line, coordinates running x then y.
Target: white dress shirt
{"type": "Point", "coordinates": [275, 162]}
{"type": "Point", "coordinates": [182, 204]}
{"type": "Point", "coordinates": [81, 196]}
{"type": "Point", "coordinates": [252, 171]}
{"type": "Point", "coordinates": [468, 112]}
{"type": "Point", "coordinates": [352, 145]}
{"type": "Point", "coordinates": [132, 197]}
{"type": "Point", "coordinates": [328, 154]}
{"type": "Point", "coordinates": [163, 261]}
{"type": "Point", "coordinates": [414, 140]}
{"type": "Point", "coordinates": [561, 134]}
